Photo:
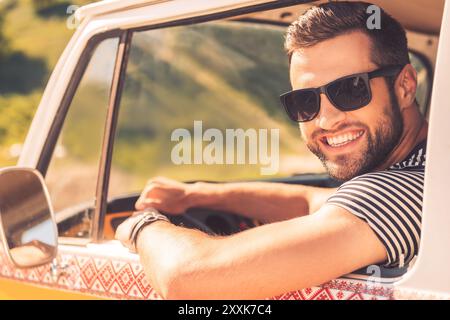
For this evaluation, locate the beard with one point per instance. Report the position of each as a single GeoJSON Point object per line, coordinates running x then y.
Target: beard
{"type": "Point", "coordinates": [378, 146]}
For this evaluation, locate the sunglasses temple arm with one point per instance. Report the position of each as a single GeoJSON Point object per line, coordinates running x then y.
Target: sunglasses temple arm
{"type": "Point", "coordinates": [388, 71]}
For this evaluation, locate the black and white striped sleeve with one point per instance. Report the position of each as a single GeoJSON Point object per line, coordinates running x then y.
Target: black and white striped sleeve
{"type": "Point", "coordinates": [390, 202]}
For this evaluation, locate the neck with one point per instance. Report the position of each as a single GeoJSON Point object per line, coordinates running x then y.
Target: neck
{"type": "Point", "coordinates": [414, 131]}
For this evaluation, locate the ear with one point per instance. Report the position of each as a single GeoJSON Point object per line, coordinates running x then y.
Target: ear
{"type": "Point", "coordinates": [406, 86]}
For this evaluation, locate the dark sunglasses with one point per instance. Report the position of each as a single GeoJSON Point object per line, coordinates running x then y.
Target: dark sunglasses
{"type": "Point", "coordinates": [346, 94]}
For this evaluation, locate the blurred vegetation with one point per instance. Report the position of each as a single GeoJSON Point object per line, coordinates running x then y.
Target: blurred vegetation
{"type": "Point", "coordinates": [226, 74]}
{"type": "Point", "coordinates": [3, 43]}
{"type": "Point", "coordinates": [42, 4]}
{"type": "Point", "coordinates": [51, 8]}
{"type": "Point", "coordinates": [208, 72]}
{"type": "Point", "coordinates": [33, 34]}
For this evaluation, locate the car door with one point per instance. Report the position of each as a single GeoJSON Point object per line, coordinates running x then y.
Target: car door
{"type": "Point", "coordinates": [111, 131]}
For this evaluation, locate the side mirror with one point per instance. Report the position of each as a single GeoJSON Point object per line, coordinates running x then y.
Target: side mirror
{"type": "Point", "coordinates": [27, 223]}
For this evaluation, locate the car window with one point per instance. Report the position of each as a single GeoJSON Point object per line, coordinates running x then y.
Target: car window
{"type": "Point", "coordinates": [218, 75]}
{"type": "Point", "coordinates": [72, 174]}
{"type": "Point", "coordinates": [222, 75]}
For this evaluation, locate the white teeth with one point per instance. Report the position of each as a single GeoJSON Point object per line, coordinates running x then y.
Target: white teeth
{"type": "Point", "coordinates": [343, 139]}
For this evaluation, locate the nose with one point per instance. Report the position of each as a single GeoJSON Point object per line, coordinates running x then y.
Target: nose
{"type": "Point", "coordinates": [329, 116]}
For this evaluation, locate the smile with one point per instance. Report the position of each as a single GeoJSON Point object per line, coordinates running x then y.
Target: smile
{"type": "Point", "coordinates": [343, 139]}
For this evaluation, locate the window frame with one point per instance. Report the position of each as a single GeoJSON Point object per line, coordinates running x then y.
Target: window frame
{"type": "Point", "coordinates": [61, 114]}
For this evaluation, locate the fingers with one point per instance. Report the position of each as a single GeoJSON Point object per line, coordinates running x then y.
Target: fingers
{"type": "Point", "coordinates": [163, 194]}
{"type": "Point", "coordinates": [147, 202]}
{"type": "Point", "coordinates": [146, 194]}
{"type": "Point", "coordinates": [160, 181]}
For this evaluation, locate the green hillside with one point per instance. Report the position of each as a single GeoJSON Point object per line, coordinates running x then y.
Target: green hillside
{"type": "Point", "coordinates": [209, 72]}
{"type": "Point", "coordinates": [33, 35]}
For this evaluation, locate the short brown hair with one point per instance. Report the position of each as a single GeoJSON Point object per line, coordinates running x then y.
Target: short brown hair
{"type": "Point", "coordinates": [328, 20]}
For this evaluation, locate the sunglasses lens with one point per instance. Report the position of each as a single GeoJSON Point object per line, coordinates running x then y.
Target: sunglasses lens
{"type": "Point", "coordinates": [350, 93]}
{"type": "Point", "coordinates": [302, 105]}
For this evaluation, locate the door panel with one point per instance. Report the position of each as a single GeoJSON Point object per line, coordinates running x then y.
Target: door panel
{"type": "Point", "coordinates": [105, 271]}
{"type": "Point", "coordinates": [15, 290]}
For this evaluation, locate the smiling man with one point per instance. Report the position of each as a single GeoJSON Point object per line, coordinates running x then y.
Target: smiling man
{"type": "Point", "coordinates": [354, 97]}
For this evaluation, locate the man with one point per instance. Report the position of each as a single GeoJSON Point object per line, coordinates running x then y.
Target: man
{"type": "Point", "coordinates": [354, 97]}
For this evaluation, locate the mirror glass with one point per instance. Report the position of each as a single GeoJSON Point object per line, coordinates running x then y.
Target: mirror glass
{"type": "Point", "coordinates": [26, 217]}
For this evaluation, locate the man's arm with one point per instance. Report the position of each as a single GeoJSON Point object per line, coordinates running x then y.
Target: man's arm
{"type": "Point", "coordinates": [264, 201]}
{"type": "Point", "coordinates": [258, 263]}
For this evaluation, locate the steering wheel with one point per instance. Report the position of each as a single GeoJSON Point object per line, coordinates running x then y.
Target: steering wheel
{"type": "Point", "coordinates": [189, 221]}
{"type": "Point", "coordinates": [210, 221]}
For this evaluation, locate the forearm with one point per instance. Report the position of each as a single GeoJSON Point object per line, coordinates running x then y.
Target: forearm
{"type": "Point", "coordinates": [167, 252]}
{"type": "Point", "coordinates": [264, 201]}
{"type": "Point", "coordinates": [258, 263]}
{"type": "Point", "coordinates": [183, 263]}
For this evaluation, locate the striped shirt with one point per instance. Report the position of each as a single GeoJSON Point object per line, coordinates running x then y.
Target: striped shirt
{"type": "Point", "coordinates": [390, 201]}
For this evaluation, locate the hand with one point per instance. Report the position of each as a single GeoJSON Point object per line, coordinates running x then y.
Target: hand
{"type": "Point", "coordinates": [166, 195]}
{"type": "Point", "coordinates": [123, 231]}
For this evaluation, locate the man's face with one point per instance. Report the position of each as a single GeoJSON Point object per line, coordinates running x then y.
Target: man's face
{"type": "Point", "coordinates": [355, 142]}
